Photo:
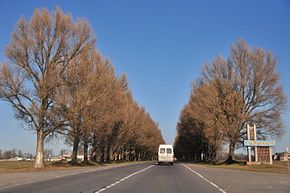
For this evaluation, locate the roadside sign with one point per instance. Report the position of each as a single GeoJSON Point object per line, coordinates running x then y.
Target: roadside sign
{"type": "Point", "coordinates": [258, 143]}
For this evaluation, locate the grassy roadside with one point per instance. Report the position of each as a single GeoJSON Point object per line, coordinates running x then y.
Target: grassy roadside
{"type": "Point", "coordinates": [27, 166]}
{"type": "Point", "coordinates": [279, 167]}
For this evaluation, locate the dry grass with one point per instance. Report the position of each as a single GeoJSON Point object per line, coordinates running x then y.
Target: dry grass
{"type": "Point", "coordinates": [277, 167]}
{"type": "Point", "coordinates": [15, 165]}
{"type": "Point", "coordinates": [28, 166]}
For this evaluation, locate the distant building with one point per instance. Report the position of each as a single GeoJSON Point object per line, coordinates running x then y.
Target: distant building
{"type": "Point", "coordinates": [283, 156]}
{"type": "Point", "coordinates": [66, 156]}
{"type": "Point", "coordinates": [55, 158]}
{"type": "Point", "coordinates": [16, 159]}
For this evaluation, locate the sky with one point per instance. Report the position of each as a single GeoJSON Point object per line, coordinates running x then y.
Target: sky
{"type": "Point", "coordinates": [161, 46]}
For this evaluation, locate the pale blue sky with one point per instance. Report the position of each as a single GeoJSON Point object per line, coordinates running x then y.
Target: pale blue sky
{"type": "Point", "coordinates": [161, 45]}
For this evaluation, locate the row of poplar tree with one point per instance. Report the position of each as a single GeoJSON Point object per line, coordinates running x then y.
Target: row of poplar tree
{"type": "Point", "coordinates": [230, 93]}
{"type": "Point", "coordinates": [59, 85]}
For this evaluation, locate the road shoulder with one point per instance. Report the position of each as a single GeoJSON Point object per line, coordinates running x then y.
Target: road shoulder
{"type": "Point", "coordinates": [21, 178]}
{"type": "Point", "coordinates": [240, 181]}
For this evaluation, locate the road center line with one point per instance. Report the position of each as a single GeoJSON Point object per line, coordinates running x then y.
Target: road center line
{"type": "Point", "coordinates": [123, 179]}
{"type": "Point", "coordinates": [213, 184]}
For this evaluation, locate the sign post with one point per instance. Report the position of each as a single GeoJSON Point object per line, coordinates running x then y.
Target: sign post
{"type": "Point", "coordinates": [262, 148]}
{"type": "Point", "coordinates": [270, 152]}
{"type": "Point", "coordinates": [287, 157]}
{"type": "Point", "coordinates": [256, 148]}
{"type": "Point", "coordinates": [249, 147]}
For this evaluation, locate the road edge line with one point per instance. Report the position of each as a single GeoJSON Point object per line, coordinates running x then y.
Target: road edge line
{"type": "Point", "coordinates": [123, 179]}
{"type": "Point", "coordinates": [213, 184]}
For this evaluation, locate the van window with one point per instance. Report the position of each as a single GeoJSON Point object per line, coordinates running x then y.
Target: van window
{"type": "Point", "coordinates": [162, 150]}
{"type": "Point", "coordinates": [168, 150]}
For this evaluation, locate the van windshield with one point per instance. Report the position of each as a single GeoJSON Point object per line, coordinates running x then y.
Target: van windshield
{"type": "Point", "coordinates": [169, 151]}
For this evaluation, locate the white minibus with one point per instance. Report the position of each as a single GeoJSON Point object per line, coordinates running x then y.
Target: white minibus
{"type": "Point", "coordinates": [165, 154]}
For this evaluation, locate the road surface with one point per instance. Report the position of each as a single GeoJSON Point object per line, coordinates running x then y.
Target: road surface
{"type": "Point", "coordinates": [152, 178]}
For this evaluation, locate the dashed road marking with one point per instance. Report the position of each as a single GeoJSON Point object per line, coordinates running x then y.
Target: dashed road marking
{"type": "Point", "coordinates": [63, 175]}
{"type": "Point", "coordinates": [125, 178]}
{"type": "Point", "coordinates": [213, 184]}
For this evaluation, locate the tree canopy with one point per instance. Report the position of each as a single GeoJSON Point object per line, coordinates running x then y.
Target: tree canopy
{"type": "Point", "coordinates": [59, 85]}
{"type": "Point", "coordinates": [230, 93]}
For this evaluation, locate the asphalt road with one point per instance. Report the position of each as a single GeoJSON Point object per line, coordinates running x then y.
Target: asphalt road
{"type": "Point", "coordinates": [151, 178]}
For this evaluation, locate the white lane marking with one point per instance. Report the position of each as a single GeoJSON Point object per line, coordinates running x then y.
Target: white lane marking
{"type": "Point", "coordinates": [125, 178]}
{"type": "Point", "coordinates": [65, 175]}
{"type": "Point", "coordinates": [213, 184]}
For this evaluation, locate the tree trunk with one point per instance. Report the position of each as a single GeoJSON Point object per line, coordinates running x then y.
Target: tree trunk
{"type": "Point", "coordinates": [102, 154]}
{"type": "Point", "coordinates": [39, 158]}
{"type": "Point", "coordinates": [232, 151]}
{"type": "Point", "coordinates": [108, 151]}
{"type": "Point", "coordinates": [123, 154]}
{"type": "Point", "coordinates": [94, 149]}
{"type": "Point", "coordinates": [86, 146]}
{"type": "Point", "coordinates": [94, 154]}
{"type": "Point", "coordinates": [74, 158]}
{"type": "Point", "coordinates": [230, 159]}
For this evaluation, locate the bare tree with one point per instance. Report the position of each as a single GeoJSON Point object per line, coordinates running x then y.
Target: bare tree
{"type": "Point", "coordinates": [190, 141]}
{"type": "Point", "coordinates": [6, 154]}
{"type": "Point", "coordinates": [200, 125]}
{"type": "Point", "coordinates": [105, 118]}
{"type": "Point", "coordinates": [241, 89]}
{"type": "Point", "coordinates": [75, 95]}
{"type": "Point", "coordinates": [48, 153]}
{"type": "Point", "coordinates": [20, 154]}
{"type": "Point", "coordinates": [124, 130]}
{"type": "Point", "coordinates": [140, 135]}
{"type": "Point", "coordinates": [249, 91]}
{"type": "Point", "coordinates": [40, 51]}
